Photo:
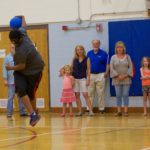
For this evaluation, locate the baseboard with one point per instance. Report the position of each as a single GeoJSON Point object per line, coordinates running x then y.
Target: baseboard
{"type": "Point", "coordinates": [107, 109]}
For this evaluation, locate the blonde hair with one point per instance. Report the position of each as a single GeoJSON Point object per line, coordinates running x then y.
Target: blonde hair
{"type": "Point", "coordinates": [120, 43]}
{"type": "Point", "coordinates": [75, 51]}
{"type": "Point", "coordinates": [148, 59]}
{"type": "Point", "coordinates": [66, 67]}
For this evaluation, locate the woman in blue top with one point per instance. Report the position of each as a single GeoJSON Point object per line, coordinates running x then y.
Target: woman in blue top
{"type": "Point", "coordinates": [81, 73]}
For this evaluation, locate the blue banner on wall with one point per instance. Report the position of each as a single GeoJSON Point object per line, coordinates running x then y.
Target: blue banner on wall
{"type": "Point", "coordinates": [136, 36]}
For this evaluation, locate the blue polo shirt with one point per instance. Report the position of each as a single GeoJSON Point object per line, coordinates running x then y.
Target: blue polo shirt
{"type": "Point", "coordinates": [98, 61]}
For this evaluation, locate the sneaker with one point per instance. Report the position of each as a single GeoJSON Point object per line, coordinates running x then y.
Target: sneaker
{"type": "Point", "coordinates": [102, 111]}
{"type": "Point", "coordinates": [118, 114]}
{"type": "Point", "coordinates": [91, 114]}
{"type": "Point", "coordinates": [34, 119]}
{"type": "Point", "coordinates": [24, 115]}
{"type": "Point", "coordinates": [79, 114]}
{"type": "Point", "coordinates": [9, 116]}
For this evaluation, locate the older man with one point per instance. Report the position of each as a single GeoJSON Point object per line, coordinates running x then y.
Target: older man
{"type": "Point", "coordinates": [99, 71]}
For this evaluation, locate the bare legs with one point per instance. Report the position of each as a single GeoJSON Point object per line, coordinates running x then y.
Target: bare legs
{"type": "Point", "coordinates": [79, 104]}
{"type": "Point", "coordinates": [145, 103]}
{"type": "Point", "coordinates": [64, 109]}
{"type": "Point", "coordinates": [27, 103]}
{"type": "Point", "coordinates": [33, 103]}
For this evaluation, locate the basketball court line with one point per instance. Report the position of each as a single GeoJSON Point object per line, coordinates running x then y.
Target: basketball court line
{"type": "Point", "coordinates": [84, 127]}
{"type": "Point", "coordinates": [68, 130]}
{"type": "Point", "coordinates": [33, 136]}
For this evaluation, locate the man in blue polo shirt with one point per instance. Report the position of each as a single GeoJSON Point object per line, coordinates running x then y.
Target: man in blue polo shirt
{"type": "Point", "coordinates": [99, 71]}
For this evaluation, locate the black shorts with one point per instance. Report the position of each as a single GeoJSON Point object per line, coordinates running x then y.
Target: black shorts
{"type": "Point", "coordinates": [27, 84]}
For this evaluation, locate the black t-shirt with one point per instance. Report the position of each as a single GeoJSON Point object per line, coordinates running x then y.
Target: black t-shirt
{"type": "Point", "coordinates": [27, 54]}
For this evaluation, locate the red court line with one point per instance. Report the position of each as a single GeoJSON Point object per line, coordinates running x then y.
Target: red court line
{"type": "Point", "coordinates": [34, 135]}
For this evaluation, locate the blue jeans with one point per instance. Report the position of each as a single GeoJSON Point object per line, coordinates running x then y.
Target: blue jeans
{"type": "Point", "coordinates": [122, 92]}
{"type": "Point", "coordinates": [11, 94]}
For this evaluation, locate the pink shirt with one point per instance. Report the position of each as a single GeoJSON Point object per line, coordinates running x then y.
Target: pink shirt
{"type": "Point", "coordinates": [67, 82]}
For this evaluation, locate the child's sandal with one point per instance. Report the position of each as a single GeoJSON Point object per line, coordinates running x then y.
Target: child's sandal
{"type": "Point", "coordinates": [62, 115]}
{"type": "Point", "coordinates": [71, 114]}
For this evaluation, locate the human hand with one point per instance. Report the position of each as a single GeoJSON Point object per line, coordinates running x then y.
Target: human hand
{"type": "Point", "coordinates": [105, 75]}
{"type": "Point", "coordinates": [5, 82]}
{"type": "Point", "coordinates": [8, 67]}
{"type": "Point", "coordinates": [87, 82]}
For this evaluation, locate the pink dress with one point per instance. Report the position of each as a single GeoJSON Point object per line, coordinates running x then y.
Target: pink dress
{"type": "Point", "coordinates": [68, 94]}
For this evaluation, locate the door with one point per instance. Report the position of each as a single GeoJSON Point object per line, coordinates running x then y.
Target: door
{"type": "Point", "coordinates": [39, 36]}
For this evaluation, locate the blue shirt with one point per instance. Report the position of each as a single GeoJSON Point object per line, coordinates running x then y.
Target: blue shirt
{"type": "Point", "coordinates": [98, 61]}
{"type": "Point", "coordinates": [8, 75]}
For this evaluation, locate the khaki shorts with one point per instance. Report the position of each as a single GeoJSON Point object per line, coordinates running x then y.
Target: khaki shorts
{"type": "Point", "coordinates": [146, 89]}
{"type": "Point", "coordinates": [80, 85]}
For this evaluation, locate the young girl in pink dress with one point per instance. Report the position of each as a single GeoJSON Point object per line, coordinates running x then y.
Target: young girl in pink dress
{"type": "Point", "coordinates": [68, 95]}
{"type": "Point", "coordinates": [145, 77]}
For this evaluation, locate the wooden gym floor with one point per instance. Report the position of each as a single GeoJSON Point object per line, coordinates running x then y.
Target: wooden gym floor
{"type": "Point", "coordinates": [101, 132]}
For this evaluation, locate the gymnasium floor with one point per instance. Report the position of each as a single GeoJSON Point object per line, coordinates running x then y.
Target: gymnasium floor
{"type": "Point", "coordinates": [101, 132]}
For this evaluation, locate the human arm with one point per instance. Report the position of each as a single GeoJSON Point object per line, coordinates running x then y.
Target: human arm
{"type": "Point", "coordinates": [88, 72]}
{"type": "Point", "coordinates": [71, 65]}
{"type": "Point", "coordinates": [107, 70]}
{"type": "Point", "coordinates": [130, 69]}
{"type": "Point", "coordinates": [5, 72]}
{"type": "Point", "coordinates": [24, 24]}
{"type": "Point", "coordinates": [113, 71]}
{"type": "Point", "coordinates": [61, 72]}
{"type": "Point", "coordinates": [107, 66]}
{"type": "Point", "coordinates": [72, 80]}
{"type": "Point", "coordinates": [16, 67]}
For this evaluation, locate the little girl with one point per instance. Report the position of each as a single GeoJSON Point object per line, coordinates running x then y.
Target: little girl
{"type": "Point", "coordinates": [145, 77]}
{"type": "Point", "coordinates": [68, 95]}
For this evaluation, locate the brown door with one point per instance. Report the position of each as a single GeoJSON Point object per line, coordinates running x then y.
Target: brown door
{"type": "Point", "coordinates": [39, 36]}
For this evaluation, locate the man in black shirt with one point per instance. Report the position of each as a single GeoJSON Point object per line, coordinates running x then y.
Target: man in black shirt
{"type": "Point", "coordinates": [27, 70]}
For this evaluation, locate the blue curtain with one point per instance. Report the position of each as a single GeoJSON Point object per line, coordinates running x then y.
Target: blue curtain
{"type": "Point", "coordinates": [136, 36]}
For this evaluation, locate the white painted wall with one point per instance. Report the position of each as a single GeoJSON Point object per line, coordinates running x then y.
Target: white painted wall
{"type": "Point", "coordinates": [46, 11]}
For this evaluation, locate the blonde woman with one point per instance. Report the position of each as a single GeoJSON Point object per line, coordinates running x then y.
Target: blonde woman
{"type": "Point", "coordinates": [121, 73]}
{"type": "Point", "coordinates": [81, 73]}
